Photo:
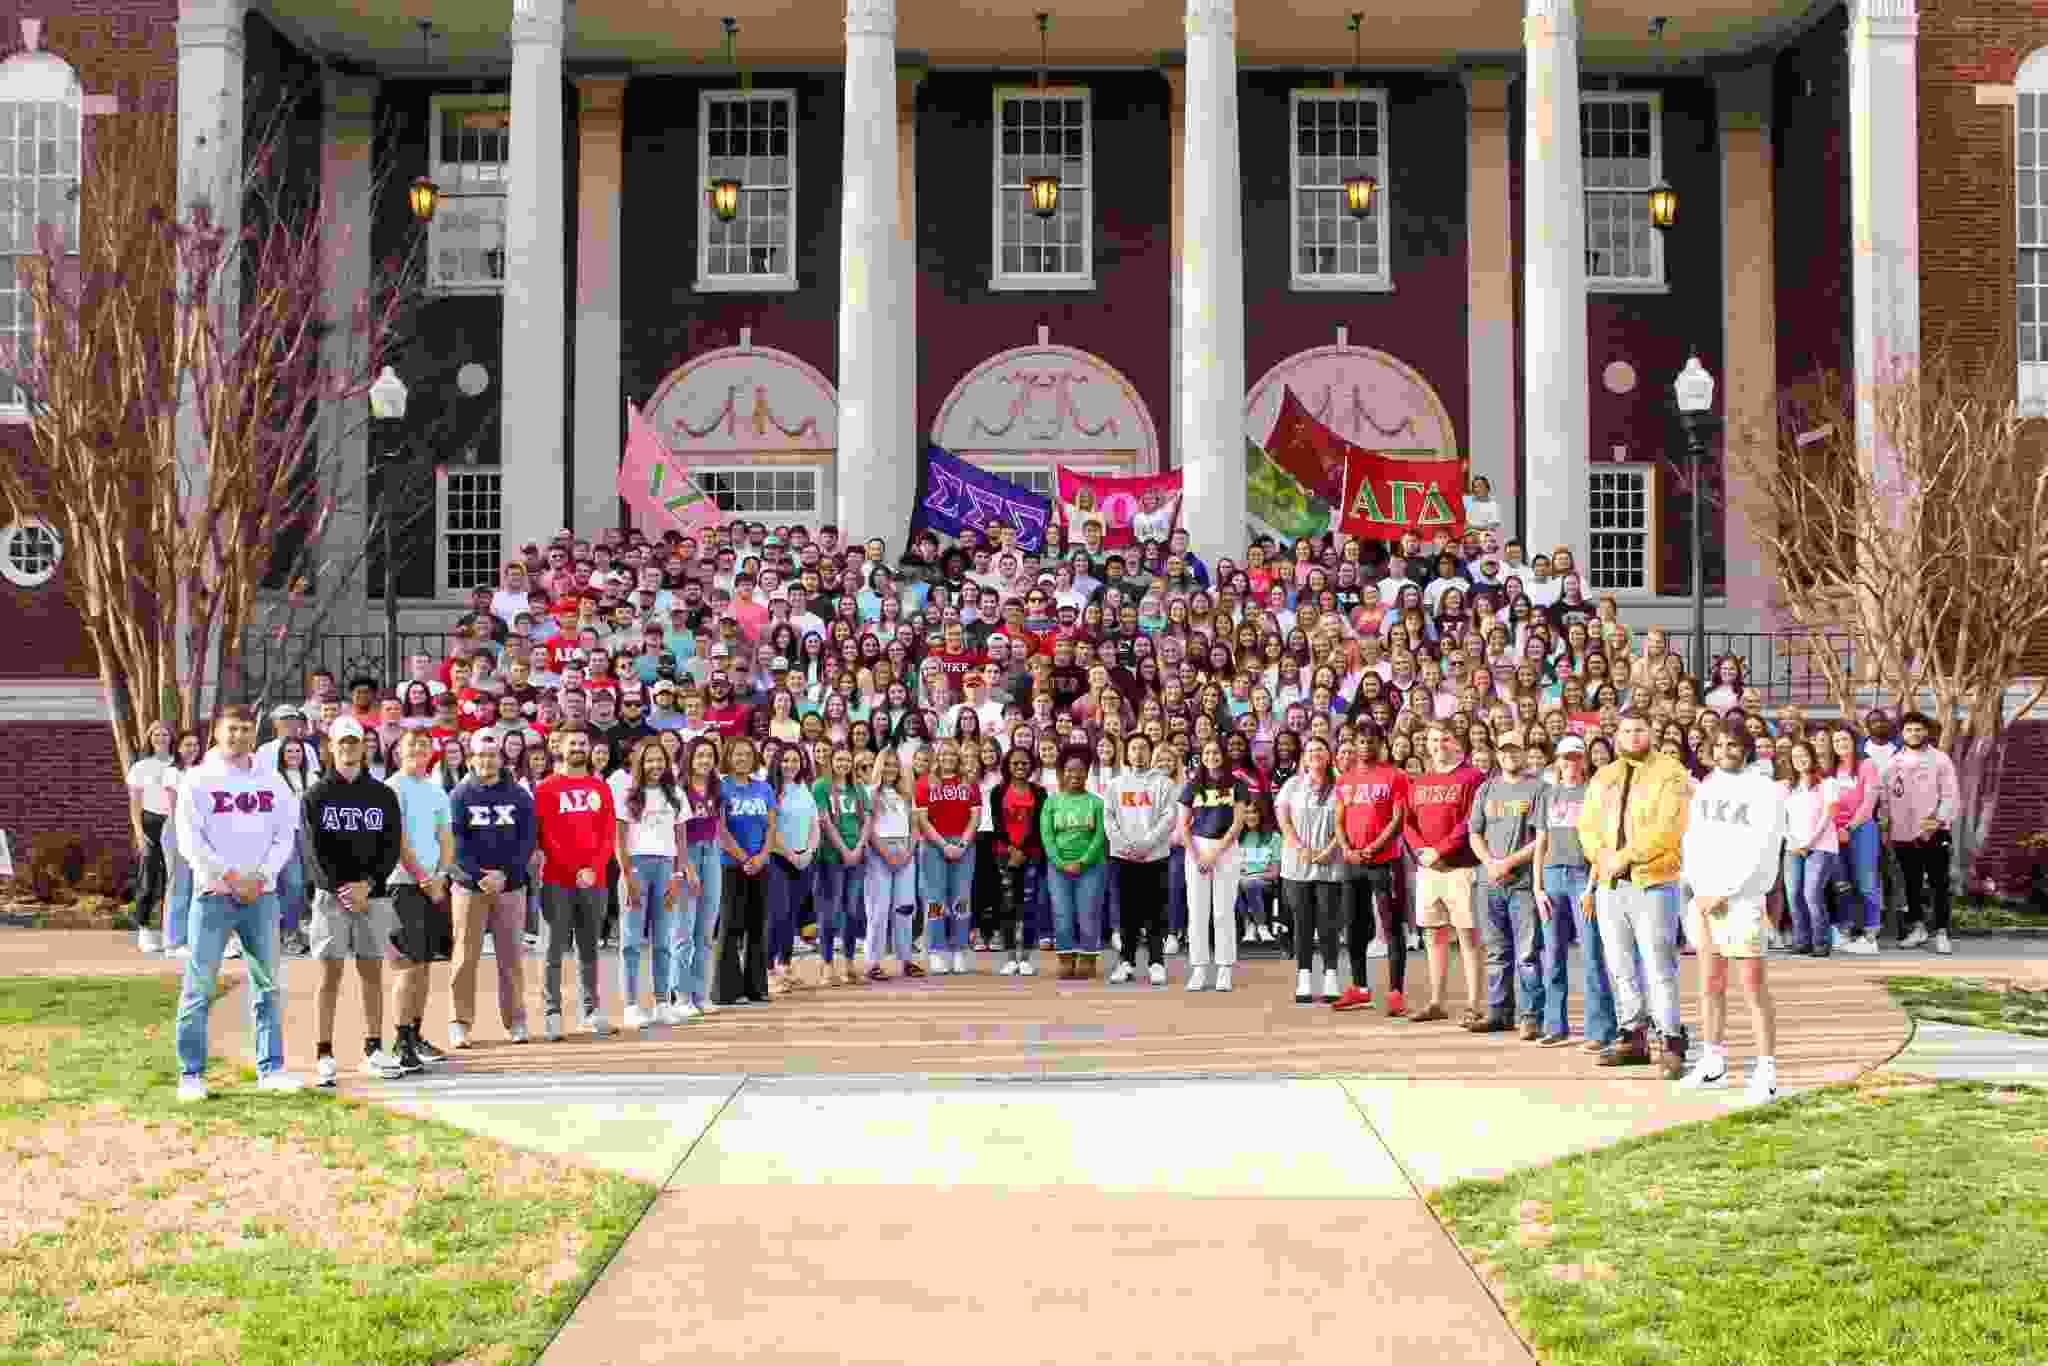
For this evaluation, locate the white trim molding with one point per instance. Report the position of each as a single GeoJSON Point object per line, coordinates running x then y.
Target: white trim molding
{"type": "Point", "coordinates": [52, 700]}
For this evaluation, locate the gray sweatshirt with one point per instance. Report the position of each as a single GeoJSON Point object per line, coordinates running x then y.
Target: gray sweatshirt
{"type": "Point", "coordinates": [1142, 810]}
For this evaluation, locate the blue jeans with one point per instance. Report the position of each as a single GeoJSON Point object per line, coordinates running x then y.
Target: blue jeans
{"type": "Point", "coordinates": [1639, 937]}
{"type": "Point", "coordinates": [1176, 892]}
{"type": "Point", "coordinates": [1806, 892]}
{"type": "Point", "coordinates": [1572, 919]}
{"type": "Point", "coordinates": [1514, 944]}
{"type": "Point", "coordinates": [214, 918]}
{"type": "Point", "coordinates": [891, 895]}
{"type": "Point", "coordinates": [788, 885]}
{"type": "Point", "coordinates": [695, 918]}
{"type": "Point", "coordinates": [837, 893]}
{"type": "Point", "coordinates": [948, 885]}
{"type": "Point", "coordinates": [1864, 855]}
{"type": "Point", "coordinates": [647, 917]}
{"type": "Point", "coordinates": [1077, 907]}
{"type": "Point", "coordinates": [178, 903]}
{"type": "Point", "coordinates": [291, 890]}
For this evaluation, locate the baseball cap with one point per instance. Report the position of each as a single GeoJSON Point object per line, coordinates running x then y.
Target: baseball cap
{"type": "Point", "coordinates": [1571, 744]}
{"type": "Point", "coordinates": [998, 638]}
{"type": "Point", "coordinates": [666, 685]}
{"type": "Point", "coordinates": [287, 712]}
{"type": "Point", "coordinates": [345, 728]}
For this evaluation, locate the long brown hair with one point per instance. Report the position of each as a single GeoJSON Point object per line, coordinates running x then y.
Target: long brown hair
{"type": "Point", "coordinates": [636, 795]}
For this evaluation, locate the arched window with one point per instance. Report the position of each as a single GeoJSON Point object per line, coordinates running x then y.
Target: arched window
{"type": "Point", "coordinates": [2030, 167]}
{"type": "Point", "coordinates": [29, 553]}
{"type": "Point", "coordinates": [41, 127]}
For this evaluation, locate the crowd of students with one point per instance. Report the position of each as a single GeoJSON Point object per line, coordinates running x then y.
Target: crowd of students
{"type": "Point", "coordinates": [713, 753]}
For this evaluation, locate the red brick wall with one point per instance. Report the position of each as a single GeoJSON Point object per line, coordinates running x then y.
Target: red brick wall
{"type": "Point", "coordinates": [60, 776]}
{"type": "Point", "coordinates": [2022, 807]}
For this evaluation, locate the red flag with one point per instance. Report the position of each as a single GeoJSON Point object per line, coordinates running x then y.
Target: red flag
{"type": "Point", "coordinates": [1384, 497]}
{"type": "Point", "coordinates": [1308, 450]}
{"type": "Point", "coordinates": [657, 486]}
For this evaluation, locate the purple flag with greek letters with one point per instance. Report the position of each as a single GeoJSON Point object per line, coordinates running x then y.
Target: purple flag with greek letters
{"type": "Point", "coordinates": [954, 494]}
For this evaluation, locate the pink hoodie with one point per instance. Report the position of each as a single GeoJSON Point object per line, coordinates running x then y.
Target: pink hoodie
{"type": "Point", "coordinates": [1859, 799]}
{"type": "Point", "coordinates": [1919, 784]}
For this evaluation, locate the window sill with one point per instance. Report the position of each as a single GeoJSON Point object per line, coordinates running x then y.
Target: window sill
{"type": "Point", "coordinates": [746, 284]}
{"type": "Point", "coordinates": [1041, 284]}
{"type": "Point", "coordinates": [1341, 284]}
{"type": "Point", "coordinates": [14, 417]}
{"type": "Point", "coordinates": [1628, 286]}
{"type": "Point", "coordinates": [494, 289]}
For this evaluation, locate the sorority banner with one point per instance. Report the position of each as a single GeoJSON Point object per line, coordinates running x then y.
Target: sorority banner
{"type": "Point", "coordinates": [657, 488]}
{"type": "Point", "coordinates": [957, 494]}
{"type": "Point", "coordinates": [1120, 498]}
{"type": "Point", "coordinates": [1277, 505]}
{"type": "Point", "coordinates": [1308, 450]}
{"type": "Point", "coordinates": [1384, 497]}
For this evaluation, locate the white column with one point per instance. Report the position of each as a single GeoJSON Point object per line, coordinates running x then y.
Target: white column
{"type": "Point", "coordinates": [1211, 414]}
{"type": "Point", "coordinates": [876, 476]}
{"type": "Point", "coordinates": [1490, 287]}
{"type": "Point", "coordinates": [1555, 399]}
{"type": "Point", "coordinates": [1884, 178]}
{"type": "Point", "coordinates": [347, 186]}
{"type": "Point", "coordinates": [600, 401]}
{"type": "Point", "coordinates": [535, 289]}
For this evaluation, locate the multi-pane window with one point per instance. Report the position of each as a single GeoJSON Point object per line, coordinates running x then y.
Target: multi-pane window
{"type": "Point", "coordinates": [1622, 151]}
{"type": "Point", "coordinates": [472, 142]}
{"type": "Point", "coordinates": [39, 140]}
{"type": "Point", "coordinates": [2031, 173]}
{"type": "Point", "coordinates": [787, 493]}
{"type": "Point", "coordinates": [1043, 133]}
{"type": "Point", "coordinates": [1338, 136]}
{"type": "Point", "coordinates": [29, 554]}
{"type": "Point", "coordinates": [472, 520]}
{"type": "Point", "coordinates": [1621, 528]}
{"type": "Point", "coordinates": [1042, 480]}
{"type": "Point", "coordinates": [749, 138]}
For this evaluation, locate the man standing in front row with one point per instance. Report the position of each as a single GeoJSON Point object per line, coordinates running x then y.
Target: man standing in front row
{"type": "Point", "coordinates": [577, 827]}
{"type": "Point", "coordinates": [235, 829]}
{"type": "Point", "coordinates": [494, 844]}
{"type": "Point", "coordinates": [353, 832]}
{"type": "Point", "coordinates": [1733, 835]}
{"type": "Point", "coordinates": [425, 930]}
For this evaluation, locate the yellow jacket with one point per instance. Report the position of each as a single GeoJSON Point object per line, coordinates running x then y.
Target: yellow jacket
{"type": "Point", "coordinates": [1658, 800]}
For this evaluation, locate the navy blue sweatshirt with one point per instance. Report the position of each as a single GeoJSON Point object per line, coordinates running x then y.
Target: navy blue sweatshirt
{"type": "Point", "coordinates": [353, 829]}
{"type": "Point", "coordinates": [494, 831]}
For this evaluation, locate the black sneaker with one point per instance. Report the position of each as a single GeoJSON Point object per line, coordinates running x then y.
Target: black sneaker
{"type": "Point", "coordinates": [426, 1050]}
{"type": "Point", "coordinates": [409, 1063]}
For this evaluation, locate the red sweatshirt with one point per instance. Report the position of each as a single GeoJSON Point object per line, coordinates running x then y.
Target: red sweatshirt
{"type": "Point", "coordinates": [577, 827]}
{"type": "Point", "coordinates": [1367, 796]}
{"type": "Point", "coordinates": [1440, 815]}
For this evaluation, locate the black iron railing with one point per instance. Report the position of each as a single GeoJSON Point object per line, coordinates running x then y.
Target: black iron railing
{"type": "Point", "coordinates": [1785, 666]}
{"type": "Point", "coordinates": [275, 668]}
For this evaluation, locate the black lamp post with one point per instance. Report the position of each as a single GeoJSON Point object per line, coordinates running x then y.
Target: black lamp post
{"type": "Point", "coordinates": [1694, 389]}
{"type": "Point", "coordinates": [387, 409]}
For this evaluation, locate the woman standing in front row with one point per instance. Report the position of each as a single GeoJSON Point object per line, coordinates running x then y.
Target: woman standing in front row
{"type": "Point", "coordinates": [1076, 842]}
{"type": "Point", "coordinates": [1212, 816]}
{"type": "Point", "coordinates": [891, 876]}
{"type": "Point", "coordinates": [747, 811]}
{"type": "Point", "coordinates": [1312, 871]}
{"type": "Point", "coordinates": [842, 850]}
{"type": "Point", "coordinates": [1015, 806]}
{"type": "Point", "coordinates": [702, 867]}
{"type": "Point", "coordinates": [1142, 813]}
{"type": "Point", "coordinates": [152, 795]}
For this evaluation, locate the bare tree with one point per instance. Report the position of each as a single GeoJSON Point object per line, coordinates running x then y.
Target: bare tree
{"type": "Point", "coordinates": [1934, 552]}
{"type": "Point", "coordinates": [144, 306]}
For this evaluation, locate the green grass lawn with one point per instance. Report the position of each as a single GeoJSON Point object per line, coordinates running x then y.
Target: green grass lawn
{"type": "Point", "coordinates": [262, 1228]}
{"type": "Point", "coordinates": [1890, 1224]}
{"type": "Point", "coordinates": [1972, 1001]}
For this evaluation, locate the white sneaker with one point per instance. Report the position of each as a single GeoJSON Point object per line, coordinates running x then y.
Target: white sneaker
{"type": "Point", "coordinates": [191, 1088]}
{"type": "Point", "coordinates": [1027, 967]}
{"type": "Point", "coordinates": [1862, 944]}
{"type": "Point", "coordinates": [1414, 941]}
{"type": "Point", "coordinates": [519, 1034]}
{"type": "Point", "coordinates": [1941, 944]}
{"type": "Point", "coordinates": [636, 1018]}
{"type": "Point", "coordinates": [960, 960]}
{"type": "Point", "coordinates": [458, 1035]}
{"type": "Point", "coordinates": [327, 1070]}
{"type": "Point", "coordinates": [1911, 941]}
{"type": "Point", "coordinates": [1709, 1073]}
{"type": "Point", "coordinates": [182, 951]}
{"type": "Point", "coordinates": [1763, 1085]}
{"type": "Point", "coordinates": [935, 964]}
{"type": "Point", "coordinates": [1123, 972]}
{"type": "Point", "coordinates": [281, 1081]}
{"type": "Point", "coordinates": [490, 948]}
{"type": "Point", "coordinates": [1157, 974]}
{"type": "Point", "coordinates": [149, 942]}
{"type": "Point", "coordinates": [1773, 941]}
{"type": "Point", "coordinates": [1198, 979]}
{"type": "Point", "coordinates": [1223, 978]}
{"type": "Point", "coordinates": [598, 1023]}
{"type": "Point", "coordinates": [1304, 986]}
{"type": "Point", "coordinates": [1377, 949]}
{"type": "Point", "coordinates": [1331, 990]}
{"type": "Point", "coordinates": [707, 1006]}
{"type": "Point", "coordinates": [1009, 969]}
{"type": "Point", "coordinates": [1172, 945]}
{"type": "Point", "coordinates": [233, 950]}
{"type": "Point", "coordinates": [1116, 940]}
{"type": "Point", "coordinates": [685, 1012]}
{"type": "Point", "coordinates": [382, 1065]}
{"type": "Point", "coordinates": [551, 1027]}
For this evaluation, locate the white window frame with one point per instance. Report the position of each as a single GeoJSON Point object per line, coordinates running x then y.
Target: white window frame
{"type": "Point", "coordinates": [2030, 209]}
{"type": "Point", "coordinates": [707, 280]}
{"type": "Point", "coordinates": [444, 534]}
{"type": "Point", "coordinates": [28, 80]}
{"type": "Point", "coordinates": [1383, 279]}
{"type": "Point", "coordinates": [1660, 280]}
{"type": "Point", "coordinates": [453, 191]}
{"type": "Point", "coordinates": [1025, 281]}
{"type": "Point", "coordinates": [1652, 543]}
{"type": "Point", "coordinates": [814, 518]}
{"type": "Point", "coordinates": [1051, 472]}
{"type": "Point", "coordinates": [12, 572]}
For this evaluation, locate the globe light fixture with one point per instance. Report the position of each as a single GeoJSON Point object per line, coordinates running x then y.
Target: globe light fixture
{"type": "Point", "coordinates": [387, 396]}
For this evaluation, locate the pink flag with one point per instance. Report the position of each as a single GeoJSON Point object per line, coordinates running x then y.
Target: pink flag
{"type": "Point", "coordinates": [657, 486]}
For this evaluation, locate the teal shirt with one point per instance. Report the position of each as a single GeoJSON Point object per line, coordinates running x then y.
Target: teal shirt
{"type": "Point", "coordinates": [796, 810]}
{"type": "Point", "coordinates": [424, 807]}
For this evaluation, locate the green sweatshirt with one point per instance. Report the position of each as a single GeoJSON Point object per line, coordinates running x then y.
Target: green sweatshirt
{"type": "Point", "coordinates": [1072, 828]}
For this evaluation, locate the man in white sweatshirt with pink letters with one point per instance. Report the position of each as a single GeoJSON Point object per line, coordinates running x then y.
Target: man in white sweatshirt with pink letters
{"type": "Point", "coordinates": [237, 825]}
{"type": "Point", "coordinates": [1734, 831]}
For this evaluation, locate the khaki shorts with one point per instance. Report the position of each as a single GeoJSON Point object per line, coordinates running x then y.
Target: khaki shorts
{"type": "Point", "coordinates": [336, 933]}
{"type": "Point", "coordinates": [1444, 897]}
{"type": "Point", "coordinates": [1738, 932]}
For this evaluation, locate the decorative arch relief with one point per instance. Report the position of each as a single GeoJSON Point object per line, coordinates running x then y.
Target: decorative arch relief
{"type": "Point", "coordinates": [1051, 405]}
{"type": "Point", "coordinates": [1365, 396]}
{"type": "Point", "coordinates": [746, 403]}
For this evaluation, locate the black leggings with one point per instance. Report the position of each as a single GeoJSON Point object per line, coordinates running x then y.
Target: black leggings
{"type": "Point", "coordinates": [1377, 897]}
{"type": "Point", "coordinates": [1923, 867]}
{"type": "Point", "coordinates": [1317, 909]}
{"type": "Point", "coordinates": [1142, 887]}
{"type": "Point", "coordinates": [152, 878]}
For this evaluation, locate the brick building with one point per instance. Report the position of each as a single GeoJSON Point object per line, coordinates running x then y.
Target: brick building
{"type": "Point", "coordinates": [884, 280]}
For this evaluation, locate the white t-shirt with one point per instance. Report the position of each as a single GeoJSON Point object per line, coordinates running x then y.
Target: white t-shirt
{"type": "Point", "coordinates": [655, 832]}
{"type": "Point", "coordinates": [1155, 527]}
{"type": "Point", "coordinates": [156, 780]}
{"type": "Point", "coordinates": [1481, 512]}
{"type": "Point", "coordinates": [892, 813]}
